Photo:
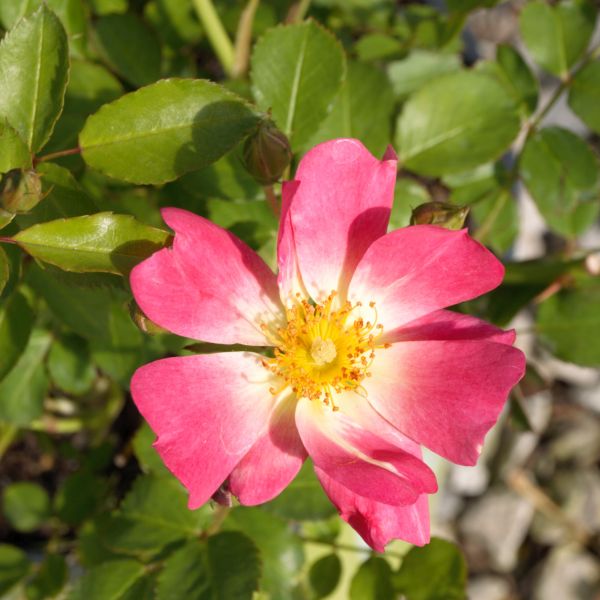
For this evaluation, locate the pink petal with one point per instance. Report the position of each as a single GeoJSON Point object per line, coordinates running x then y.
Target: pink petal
{"type": "Point", "coordinates": [273, 461]}
{"type": "Point", "coordinates": [210, 286]}
{"type": "Point", "coordinates": [381, 466]}
{"type": "Point", "coordinates": [416, 270]}
{"type": "Point", "coordinates": [445, 395]}
{"type": "Point", "coordinates": [207, 410]}
{"type": "Point", "coordinates": [379, 523]}
{"type": "Point", "coordinates": [449, 325]}
{"type": "Point", "coordinates": [340, 207]}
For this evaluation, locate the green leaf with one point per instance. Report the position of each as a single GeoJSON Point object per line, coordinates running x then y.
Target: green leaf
{"type": "Point", "coordinates": [4, 270]}
{"type": "Point", "coordinates": [153, 515]}
{"type": "Point", "coordinates": [419, 68]}
{"type": "Point", "coordinates": [63, 197]}
{"type": "Point", "coordinates": [103, 242]}
{"type": "Point", "coordinates": [362, 109]}
{"type": "Point", "coordinates": [372, 581]}
{"type": "Point", "coordinates": [129, 47]}
{"type": "Point", "coordinates": [455, 123]}
{"type": "Point", "coordinates": [408, 194]}
{"type": "Point", "coordinates": [147, 456]}
{"type": "Point", "coordinates": [90, 86]}
{"type": "Point", "coordinates": [518, 78]}
{"type": "Point", "coordinates": [324, 575]}
{"type": "Point", "coordinates": [26, 505]}
{"type": "Point", "coordinates": [70, 365]}
{"type": "Point", "coordinates": [569, 322]}
{"type": "Point", "coordinates": [14, 566]}
{"type": "Point", "coordinates": [561, 172]}
{"type": "Point", "coordinates": [112, 580]}
{"type": "Point", "coordinates": [498, 219]}
{"type": "Point", "coordinates": [302, 499]}
{"type": "Point", "coordinates": [557, 36]}
{"type": "Point", "coordinates": [107, 7]}
{"type": "Point", "coordinates": [175, 21]}
{"type": "Point", "coordinates": [49, 580]}
{"type": "Point", "coordinates": [226, 566]}
{"type": "Point", "coordinates": [437, 571]}
{"type": "Point", "coordinates": [296, 72]}
{"type": "Point", "coordinates": [16, 321]}
{"type": "Point", "coordinates": [584, 95]}
{"type": "Point", "coordinates": [13, 151]}
{"type": "Point", "coordinates": [22, 391]}
{"type": "Point", "coordinates": [161, 131]}
{"type": "Point", "coordinates": [79, 496]}
{"type": "Point", "coordinates": [33, 76]}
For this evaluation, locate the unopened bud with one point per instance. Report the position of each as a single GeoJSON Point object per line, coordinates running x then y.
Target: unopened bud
{"type": "Point", "coordinates": [142, 322]}
{"type": "Point", "coordinates": [21, 191]}
{"type": "Point", "coordinates": [443, 214]}
{"type": "Point", "coordinates": [267, 153]}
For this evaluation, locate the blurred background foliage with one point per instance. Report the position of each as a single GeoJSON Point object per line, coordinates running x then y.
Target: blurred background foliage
{"type": "Point", "coordinates": [493, 106]}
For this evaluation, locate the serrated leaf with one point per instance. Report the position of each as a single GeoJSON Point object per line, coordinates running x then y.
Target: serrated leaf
{"type": "Point", "coordinates": [112, 580]}
{"type": "Point", "coordinates": [16, 321]}
{"type": "Point", "coordinates": [33, 76]}
{"type": "Point", "coordinates": [437, 571]}
{"type": "Point", "coordinates": [569, 323]}
{"type": "Point", "coordinates": [14, 566]}
{"type": "Point", "coordinates": [296, 72]}
{"type": "Point", "coordinates": [362, 109]}
{"type": "Point", "coordinates": [103, 242]}
{"type": "Point", "coordinates": [372, 581]}
{"type": "Point", "coordinates": [584, 95]}
{"type": "Point", "coordinates": [203, 571]}
{"type": "Point", "coordinates": [561, 172]}
{"type": "Point", "coordinates": [130, 47]}
{"type": "Point", "coordinates": [456, 122]}
{"type": "Point", "coordinates": [557, 36]}
{"type": "Point", "coordinates": [164, 130]}
{"type": "Point", "coordinates": [22, 391]}
{"type": "Point", "coordinates": [26, 505]}
{"type": "Point", "coordinates": [13, 151]}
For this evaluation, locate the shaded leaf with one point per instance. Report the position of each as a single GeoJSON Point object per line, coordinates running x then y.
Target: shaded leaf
{"type": "Point", "coordinates": [26, 505]}
{"type": "Point", "coordinates": [14, 566]}
{"type": "Point", "coordinates": [16, 321]}
{"type": "Point", "coordinates": [112, 580]}
{"type": "Point", "coordinates": [372, 581]}
{"type": "Point", "coordinates": [324, 575]}
{"type": "Point", "coordinates": [13, 151]}
{"type": "Point", "coordinates": [584, 95]}
{"type": "Point", "coordinates": [49, 579]}
{"type": "Point", "coordinates": [4, 270]}
{"type": "Point", "coordinates": [70, 365]}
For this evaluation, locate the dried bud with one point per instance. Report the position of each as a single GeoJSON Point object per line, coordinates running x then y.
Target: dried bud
{"type": "Point", "coordinates": [267, 153]}
{"type": "Point", "coordinates": [443, 214]}
{"type": "Point", "coordinates": [142, 322]}
{"type": "Point", "coordinates": [21, 191]}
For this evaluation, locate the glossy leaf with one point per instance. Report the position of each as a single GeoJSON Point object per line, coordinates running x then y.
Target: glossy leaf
{"type": "Point", "coordinates": [103, 242]}
{"type": "Point", "coordinates": [437, 571]}
{"type": "Point", "coordinates": [557, 36]}
{"type": "Point", "coordinates": [16, 320]}
{"type": "Point", "coordinates": [26, 505]}
{"type": "Point", "coordinates": [584, 95]}
{"type": "Point", "coordinates": [166, 129]}
{"type": "Point", "coordinates": [226, 566]}
{"type": "Point", "coordinates": [22, 391]}
{"type": "Point", "coordinates": [561, 173]}
{"type": "Point", "coordinates": [130, 47]}
{"type": "Point", "coordinates": [296, 72]}
{"type": "Point", "coordinates": [13, 151]}
{"type": "Point", "coordinates": [33, 76]}
{"type": "Point", "coordinates": [372, 581]}
{"type": "Point", "coordinates": [455, 123]}
{"type": "Point", "coordinates": [362, 110]}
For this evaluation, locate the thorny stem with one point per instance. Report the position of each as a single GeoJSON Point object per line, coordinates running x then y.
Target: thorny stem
{"type": "Point", "coordinates": [243, 39]}
{"type": "Point", "coordinates": [216, 33]}
{"type": "Point", "coordinates": [272, 200]}
{"type": "Point", "coordinates": [58, 154]}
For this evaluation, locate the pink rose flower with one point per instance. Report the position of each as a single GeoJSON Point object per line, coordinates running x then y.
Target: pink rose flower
{"type": "Point", "coordinates": [366, 366]}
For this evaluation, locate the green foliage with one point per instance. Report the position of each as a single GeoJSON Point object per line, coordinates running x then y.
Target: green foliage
{"type": "Point", "coordinates": [14, 566]}
{"type": "Point", "coordinates": [324, 575]}
{"type": "Point", "coordinates": [296, 72]}
{"type": "Point", "coordinates": [164, 130]}
{"type": "Point", "coordinates": [13, 151]}
{"type": "Point", "coordinates": [372, 581]}
{"type": "Point", "coordinates": [25, 505]}
{"type": "Point", "coordinates": [584, 95]}
{"type": "Point", "coordinates": [16, 321]}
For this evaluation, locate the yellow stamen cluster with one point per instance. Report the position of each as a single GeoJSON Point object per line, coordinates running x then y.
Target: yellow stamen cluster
{"type": "Point", "coordinates": [324, 349]}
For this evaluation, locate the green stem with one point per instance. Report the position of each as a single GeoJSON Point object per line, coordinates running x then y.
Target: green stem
{"type": "Point", "coordinates": [243, 39]}
{"type": "Point", "coordinates": [216, 33]}
{"type": "Point", "coordinates": [298, 11]}
{"type": "Point", "coordinates": [345, 547]}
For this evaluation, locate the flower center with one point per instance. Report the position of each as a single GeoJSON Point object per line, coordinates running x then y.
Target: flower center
{"type": "Point", "coordinates": [325, 350]}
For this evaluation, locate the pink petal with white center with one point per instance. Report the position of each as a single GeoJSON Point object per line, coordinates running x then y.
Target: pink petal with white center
{"type": "Point", "coordinates": [340, 207]}
{"type": "Point", "coordinates": [448, 325]}
{"type": "Point", "coordinates": [274, 459]}
{"type": "Point", "coordinates": [381, 466]}
{"type": "Point", "coordinates": [416, 270]}
{"type": "Point", "coordinates": [379, 523]}
{"type": "Point", "coordinates": [209, 286]}
{"type": "Point", "coordinates": [207, 411]}
{"type": "Point", "coordinates": [445, 395]}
